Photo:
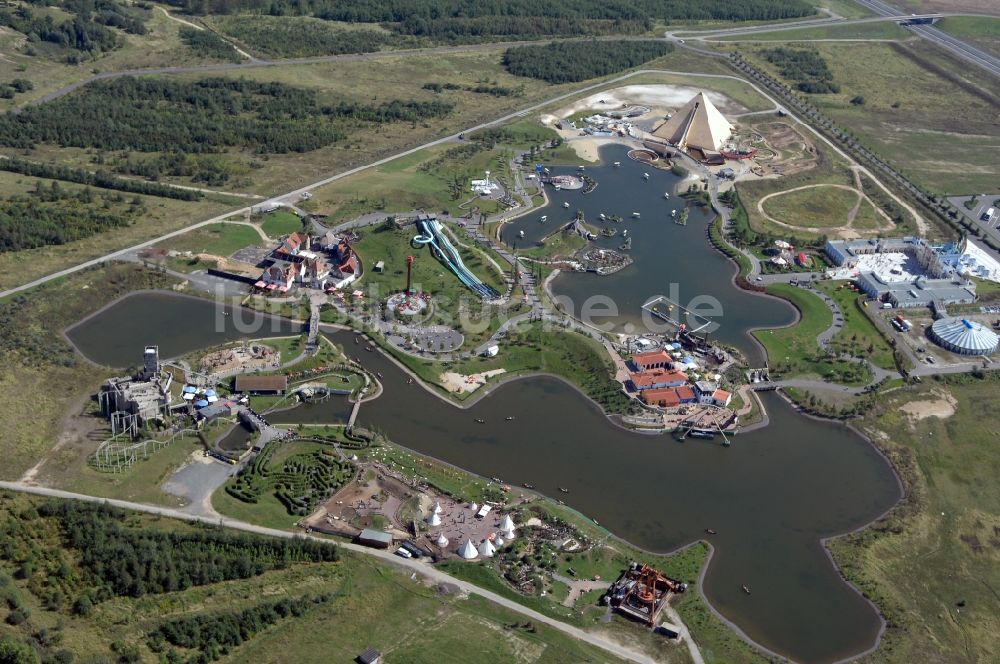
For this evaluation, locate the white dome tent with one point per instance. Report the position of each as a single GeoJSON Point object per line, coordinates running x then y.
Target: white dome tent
{"type": "Point", "coordinates": [486, 549]}
{"type": "Point", "coordinates": [467, 550]}
{"type": "Point", "coordinates": [434, 519]}
{"type": "Point", "coordinates": [441, 540]}
{"type": "Point", "coordinates": [507, 528]}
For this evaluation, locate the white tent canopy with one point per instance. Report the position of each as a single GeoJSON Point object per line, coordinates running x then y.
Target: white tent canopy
{"type": "Point", "coordinates": [698, 125]}
{"type": "Point", "coordinates": [486, 549]}
{"type": "Point", "coordinates": [474, 506]}
{"type": "Point", "coordinates": [498, 542]}
{"type": "Point", "coordinates": [507, 523]}
{"type": "Point", "coordinates": [437, 507]}
{"type": "Point", "coordinates": [467, 550]}
{"type": "Point", "coordinates": [434, 519]}
{"type": "Point", "coordinates": [442, 541]}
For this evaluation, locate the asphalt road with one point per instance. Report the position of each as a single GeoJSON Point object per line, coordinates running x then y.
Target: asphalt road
{"type": "Point", "coordinates": [968, 53]}
{"type": "Point", "coordinates": [423, 569]}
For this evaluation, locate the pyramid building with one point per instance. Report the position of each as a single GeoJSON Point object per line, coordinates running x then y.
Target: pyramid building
{"type": "Point", "coordinates": [698, 125]}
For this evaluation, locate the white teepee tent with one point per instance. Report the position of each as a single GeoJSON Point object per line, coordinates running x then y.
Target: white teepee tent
{"type": "Point", "coordinates": [437, 507]}
{"type": "Point", "coordinates": [434, 519]}
{"type": "Point", "coordinates": [467, 550]}
{"type": "Point", "coordinates": [507, 523]}
{"type": "Point", "coordinates": [498, 542]}
{"type": "Point", "coordinates": [441, 541]}
{"type": "Point", "coordinates": [474, 506]}
{"type": "Point", "coordinates": [486, 549]}
{"type": "Point", "coordinates": [698, 125]}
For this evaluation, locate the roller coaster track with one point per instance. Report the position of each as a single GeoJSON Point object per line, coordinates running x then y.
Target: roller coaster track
{"type": "Point", "coordinates": [430, 234]}
{"type": "Point", "coordinates": [120, 452]}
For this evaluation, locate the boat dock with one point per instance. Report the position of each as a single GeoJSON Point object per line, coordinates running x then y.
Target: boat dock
{"type": "Point", "coordinates": [669, 311]}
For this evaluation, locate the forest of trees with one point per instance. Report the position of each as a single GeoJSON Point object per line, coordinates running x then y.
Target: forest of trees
{"type": "Point", "coordinates": [215, 634]}
{"type": "Point", "coordinates": [471, 17]}
{"type": "Point", "coordinates": [50, 215]}
{"type": "Point", "coordinates": [101, 179]}
{"type": "Point", "coordinates": [207, 44]}
{"type": "Point", "coordinates": [86, 31]}
{"type": "Point", "coordinates": [298, 38]}
{"type": "Point", "coordinates": [565, 62]}
{"type": "Point", "coordinates": [133, 561]}
{"type": "Point", "coordinates": [806, 68]}
{"type": "Point", "coordinates": [208, 115]}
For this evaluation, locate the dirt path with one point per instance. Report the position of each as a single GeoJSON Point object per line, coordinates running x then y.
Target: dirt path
{"type": "Point", "coordinates": [202, 28]}
{"type": "Point", "coordinates": [851, 215]}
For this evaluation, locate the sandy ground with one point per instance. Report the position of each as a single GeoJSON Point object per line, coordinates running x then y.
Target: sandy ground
{"type": "Point", "coordinates": [943, 407]}
{"type": "Point", "coordinates": [461, 383]}
{"type": "Point", "coordinates": [657, 97]}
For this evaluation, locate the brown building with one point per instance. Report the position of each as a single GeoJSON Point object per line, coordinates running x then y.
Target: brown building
{"type": "Point", "coordinates": [261, 384]}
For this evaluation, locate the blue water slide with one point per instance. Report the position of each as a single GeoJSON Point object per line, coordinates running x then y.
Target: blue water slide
{"type": "Point", "coordinates": [430, 234]}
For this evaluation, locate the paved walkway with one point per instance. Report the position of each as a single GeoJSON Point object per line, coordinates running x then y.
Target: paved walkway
{"type": "Point", "coordinates": [414, 566]}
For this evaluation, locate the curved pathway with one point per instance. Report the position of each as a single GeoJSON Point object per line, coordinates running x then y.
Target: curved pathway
{"type": "Point", "coordinates": [851, 215]}
{"type": "Point", "coordinates": [414, 566]}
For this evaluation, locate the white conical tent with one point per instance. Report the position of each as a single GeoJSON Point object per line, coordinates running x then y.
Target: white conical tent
{"type": "Point", "coordinates": [467, 550]}
{"type": "Point", "coordinates": [498, 542]}
{"type": "Point", "coordinates": [486, 549]}
{"type": "Point", "coordinates": [442, 541]}
{"type": "Point", "coordinates": [434, 519]}
{"type": "Point", "coordinates": [507, 523]}
{"type": "Point", "coordinates": [437, 507]}
{"type": "Point", "coordinates": [698, 125]}
{"type": "Point", "coordinates": [474, 507]}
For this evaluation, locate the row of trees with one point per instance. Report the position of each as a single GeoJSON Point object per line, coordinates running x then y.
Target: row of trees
{"type": "Point", "coordinates": [101, 179]}
{"type": "Point", "coordinates": [134, 561]}
{"type": "Point", "coordinates": [215, 634]}
{"type": "Point", "coordinates": [208, 115]}
{"type": "Point", "coordinates": [806, 67]}
{"type": "Point", "coordinates": [565, 62]}
{"type": "Point", "coordinates": [401, 11]}
{"type": "Point", "coordinates": [52, 215]}
{"type": "Point", "coordinates": [211, 169]}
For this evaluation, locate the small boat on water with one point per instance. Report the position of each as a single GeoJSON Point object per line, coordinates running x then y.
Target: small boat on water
{"type": "Point", "coordinates": [509, 418]}
{"type": "Point", "coordinates": [379, 374]}
{"type": "Point", "coordinates": [563, 490]}
{"type": "Point", "coordinates": [673, 213]}
{"type": "Point", "coordinates": [603, 216]}
{"type": "Point", "coordinates": [709, 531]}
{"type": "Point", "coordinates": [636, 215]}
{"type": "Point", "coordinates": [666, 195]}
{"type": "Point", "coordinates": [357, 340]}
{"type": "Point", "coordinates": [520, 233]}
{"type": "Point", "coordinates": [544, 218]}
{"type": "Point", "coordinates": [645, 176]}
{"type": "Point", "coordinates": [480, 420]}
{"type": "Point", "coordinates": [560, 502]}
{"type": "Point", "coordinates": [745, 589]}
{"type": "Point", "coordinates": [565, 204]}
{"type": "Point", "coordinates": [409, 381]}
{"type": "Point", "coordinates": [624, 232]}
{"type": "Point", "coordinates": [497, 480]}
{"type": "Point", "coordinates": [618, 163]}
{"type": "Point", "coordinates": [528, 486]}
{"type": "Point", "coordinates": [558, 188]}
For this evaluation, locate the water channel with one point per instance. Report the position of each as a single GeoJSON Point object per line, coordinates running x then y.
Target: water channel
{"type": "Point", "coordinates": [771, 496]}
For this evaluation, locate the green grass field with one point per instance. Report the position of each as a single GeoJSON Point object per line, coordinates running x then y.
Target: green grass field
{"type": "Point", "coordinates": [980, 31]}
{"type": "Point", "coordinates": [860, 31]}
{"type": "Point", "coordinates": [817, 207]}
{"type": "Point", "coordinates": [934, 566]}
{"type": "Point", "coordinates": [794, 351]}
{"type": "Point", "coordinates": [217, 239]}
{"type": "Point", "coordinates": [859, 336]}
{"type": "Point", "coordinates": [279, 223]}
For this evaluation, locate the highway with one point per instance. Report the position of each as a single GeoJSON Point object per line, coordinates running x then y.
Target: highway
{"type": "Point", "coordinates": [423, 569]}
{"type": "Point", "coordinates": [968, 53]}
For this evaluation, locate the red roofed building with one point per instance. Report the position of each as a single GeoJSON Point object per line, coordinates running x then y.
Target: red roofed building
{"type": "Point", "coordinates": [721, 397]}
{"type": "Point", "coordinates": [657, 359]}
{"type": "Point", "coordinates": [686, 394]}
{"type": "Point", "coordinates": [664, 397]}
{"type": "Point", "coordinates": [292, 245]}
{"type": "Point", "coordinates": [657, 378]}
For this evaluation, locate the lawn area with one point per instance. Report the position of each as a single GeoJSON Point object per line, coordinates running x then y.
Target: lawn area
{"type": "Point", "coordinates": [933, 566]}
{"type": "Point", "coordinates": [859, 336]}
{"type": "Point", "coordinates": [980, 31]}
{"type": "Point", "coordinates": [816, 207]}
{"type": "Point", "coordinates": [863, 31]}
{"type": "Point", "coordinates": [220, 239]}
{"type": "Point", "coordinates": [279, 223]}
{"type": "Point", "coordinates": [794, 351]}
